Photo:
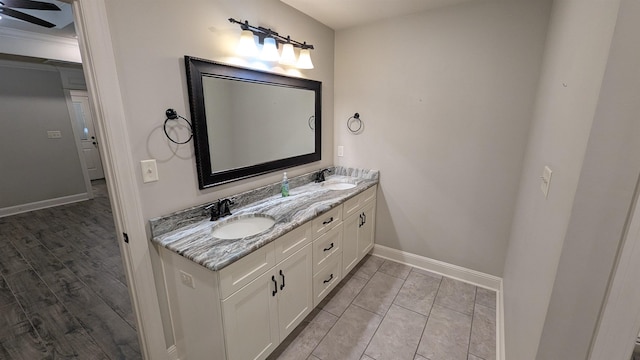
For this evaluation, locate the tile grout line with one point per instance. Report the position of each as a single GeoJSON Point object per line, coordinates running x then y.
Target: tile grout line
{"type": "Point", "coordinates": [428, 317]}
{"type": "Point", "coordinates": [475, 296]}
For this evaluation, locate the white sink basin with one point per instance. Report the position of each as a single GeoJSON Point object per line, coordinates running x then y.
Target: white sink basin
{"type": "Point", "coordinates": [241, 226]}
{"type": "Point", "coordinates": [339, 186]}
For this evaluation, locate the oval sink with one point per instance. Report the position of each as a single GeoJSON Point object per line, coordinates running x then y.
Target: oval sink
{"type": "Point", "coordinates": [339, 186]}
{"type": "Point", "coordinates": [241, 226]}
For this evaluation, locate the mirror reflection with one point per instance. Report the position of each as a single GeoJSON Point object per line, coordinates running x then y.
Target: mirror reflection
{"type": "Point", "coordinates": [253, 123]}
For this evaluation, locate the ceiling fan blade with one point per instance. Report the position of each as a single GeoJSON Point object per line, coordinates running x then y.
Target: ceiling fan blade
{"type": "Point", "coordinates": [30, 4]}
{"type": "Point", "coordinates": [26, 17]}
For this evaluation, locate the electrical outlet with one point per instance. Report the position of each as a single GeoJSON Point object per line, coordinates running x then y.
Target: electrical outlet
{"type": "Point", "coordinates": [545, 181]}
{"type": "Point", "coordinates": [187, 279]}
{"type": "Point", "coordinates": [340, 150]}
{"type": "Point", "coordinates": [149, 170]}
{"type": "Point", "coordinates": [54, 134]}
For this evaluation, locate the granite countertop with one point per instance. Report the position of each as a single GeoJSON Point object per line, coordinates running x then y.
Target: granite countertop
{"type": "Point", "coordinates": [195, 242]}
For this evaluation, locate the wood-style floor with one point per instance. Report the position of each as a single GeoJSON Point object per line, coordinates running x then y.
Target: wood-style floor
{"type": "Point", "coordinates": [63, 293]}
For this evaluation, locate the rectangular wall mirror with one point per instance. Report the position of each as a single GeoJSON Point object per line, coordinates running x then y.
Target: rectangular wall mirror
{"type": "Point", "coordinates": [248, 122]}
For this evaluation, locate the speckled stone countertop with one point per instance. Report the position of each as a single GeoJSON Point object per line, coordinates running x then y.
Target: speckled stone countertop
{"type": "Point", "coordinates": [188, 232]}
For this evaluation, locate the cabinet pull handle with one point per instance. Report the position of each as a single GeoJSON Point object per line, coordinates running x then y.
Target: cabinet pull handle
{"type": "Point", "coordinates": [282, 286]}
{"type": "Point", "coordinates": [275, 288]}
{"type": "Point", "coordinates": [329, 279]}
{"type": "Point", "coordinates": [364, 216]}
{"type": "Point", "coordinates": [327, 221]}
{"type": "Point", "coordinates": [361, 221]}
{"type": "Point", "coordinates": [329, 248]}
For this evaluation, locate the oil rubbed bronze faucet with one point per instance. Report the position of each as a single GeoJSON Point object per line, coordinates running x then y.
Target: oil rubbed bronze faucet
{"type": "Point", "coordinates": [320, 175]}
{"type": "Point", "coordinates": [219, 209]}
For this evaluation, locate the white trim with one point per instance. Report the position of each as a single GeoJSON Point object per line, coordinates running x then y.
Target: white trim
{"type": "Point", "coordinates": [456, 272]}
{"type": "Point", "coordinates": [115, 147]}
{"type": "Point", "coordinates": [439, 267]}
{"type": "Point", "coordinates": [26, 43]}
{"type": "Point", "coordinates": [619, 321]}
{"type": "Point", "coordinates": [172, 352]}
{"type": "Point", "coordinates": [38, 205]}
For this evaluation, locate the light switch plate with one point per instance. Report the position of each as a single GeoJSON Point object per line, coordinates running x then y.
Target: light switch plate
{"type": "Point", "coordinates": [54, 134]}
{"type": "Point", "coordinates": [545, 181]}
{"type": "Point", "coordinates": [149, 170]}
{"type": "Point", "coordinates": [340, 150]}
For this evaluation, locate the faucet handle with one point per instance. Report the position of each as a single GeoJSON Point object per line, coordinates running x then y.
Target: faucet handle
{"type": "Point", "coordinates": [214, 210]}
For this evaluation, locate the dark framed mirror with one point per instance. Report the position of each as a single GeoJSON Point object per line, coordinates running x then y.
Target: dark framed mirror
{"type": "Point", "coordinates": [249, 122]}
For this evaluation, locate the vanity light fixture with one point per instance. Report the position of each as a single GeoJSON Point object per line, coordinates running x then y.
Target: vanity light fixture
{"type": "Point", "coordinates": [270, 40]}
{"type": "Point", "coordinates": [247, 45]}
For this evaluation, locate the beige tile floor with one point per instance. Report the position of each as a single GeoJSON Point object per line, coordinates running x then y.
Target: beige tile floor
{"type": "Point", "coordinates": [386, 310]}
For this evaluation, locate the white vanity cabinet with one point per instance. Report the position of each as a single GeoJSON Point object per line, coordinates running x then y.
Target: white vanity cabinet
{"type": "Point", "coordinates": [359, 226]}
{"type": "Point", "coordinates": [261, 314]}
{"type": "Point", "coordinates": [246, 309]}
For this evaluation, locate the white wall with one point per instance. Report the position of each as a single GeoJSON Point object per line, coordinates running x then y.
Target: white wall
{"type": "Point", "coordinates": [446, 98]}
{"type": "Point", "coordinates": [603, 199]}
{"type": "Point", "coordinates": [150, 39]}
{"type": "Point", "coordinates": [576, 53]}
{"type": "Point", "coordinates": [34, 168]}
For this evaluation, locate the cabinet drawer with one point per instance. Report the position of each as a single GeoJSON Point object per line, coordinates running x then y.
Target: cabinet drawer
{"type": "Point", "coordinates": [326, 247]}
{"type": "Point", "coordinates": [289, 243]}
{"type": "Point", "coordinates": [243, 271]}
{"type": "Point", "coordinates": [326, 221]}
{"type": "Point", "coordinates": [326, 279]}
{"type": "Point", "coordinates": [352, 205]}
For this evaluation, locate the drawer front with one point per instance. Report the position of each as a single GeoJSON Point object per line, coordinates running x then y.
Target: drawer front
{"type": "Point", "coordinates": [326, 247]}
{"type": "Point", "coordinates": [243, 271]}
{"type": "Point", "coordinates": [368, 195]}
{"type": "Point", "coordinates": [326, 279]}
{"type": "Point", "coordinates": [289, 243]}
{"type": "Point", "coordinates": [351, 206]}
{"type": "Point", "coordinates": [326, 221]}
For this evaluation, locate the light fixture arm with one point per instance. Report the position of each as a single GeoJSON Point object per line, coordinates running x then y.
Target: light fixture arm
{"type": "Point", "coordinates": [263, 33]}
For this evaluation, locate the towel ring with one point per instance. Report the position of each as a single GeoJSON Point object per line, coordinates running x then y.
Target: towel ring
{"type": "Point", "coordinates": [173, 115]}
{"type": "Point", "coordinates": [350, 123]}
{"type": "Point", "coordinates": [312, 120]}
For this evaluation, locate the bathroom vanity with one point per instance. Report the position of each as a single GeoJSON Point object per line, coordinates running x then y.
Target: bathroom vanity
{"type": "Point", "coordinates": [240, 298]}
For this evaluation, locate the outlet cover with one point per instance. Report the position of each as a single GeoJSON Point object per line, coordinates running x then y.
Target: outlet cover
{"type": "Point", "coordinates": [187, 279]}
{"type": "Point", "coordinates": [340, 150]}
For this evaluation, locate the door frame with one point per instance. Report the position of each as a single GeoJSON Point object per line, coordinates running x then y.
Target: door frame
{"type": "Point", "coordinates": [105, 96]}
{"type": "Point", "coordinates": [619, 321]}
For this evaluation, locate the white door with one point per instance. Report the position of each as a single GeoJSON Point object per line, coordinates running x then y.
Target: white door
{"type": "Point", "coordinates": [88, 140]}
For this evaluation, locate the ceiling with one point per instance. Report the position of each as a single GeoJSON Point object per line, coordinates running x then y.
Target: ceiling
{"type": "Point", "coordinates": [341, 14]}
{"type": "Point", "coordinates": [63, 20]}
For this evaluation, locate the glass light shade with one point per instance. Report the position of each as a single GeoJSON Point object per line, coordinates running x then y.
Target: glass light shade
{"type": "Point", "coordinates": [269, 50]}
{"type": "Point", "coordinates": [304, 61]}
{"type": "Point", "coordinates": [288, 56]}
{"type": "Point", "coordinates": [247, 45]}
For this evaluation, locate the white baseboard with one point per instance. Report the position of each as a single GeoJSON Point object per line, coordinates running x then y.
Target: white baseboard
{"type": "Point", "coordinates": [18, 209]}
{"type": "Point", "coordinates": [172, 353]}
{"type": "Point", "coordinates": [456, 272]}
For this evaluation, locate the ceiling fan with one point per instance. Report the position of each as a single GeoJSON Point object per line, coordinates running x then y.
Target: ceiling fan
{"type": "Point", "coordinates": [7, 5]}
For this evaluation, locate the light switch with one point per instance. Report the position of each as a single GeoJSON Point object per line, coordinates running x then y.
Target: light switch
{"type": "Point", "coordinates": [545, 181]}
{"type": "Point", "coordinates": [340, 150]}
{"type": "Point", "coordinates": [149, 170]}
{"type": "Point", "coordinates": [187, 279]}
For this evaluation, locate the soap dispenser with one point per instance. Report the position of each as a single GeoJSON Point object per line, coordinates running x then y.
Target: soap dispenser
{"type": "Point", "coordinates": [284, 188]}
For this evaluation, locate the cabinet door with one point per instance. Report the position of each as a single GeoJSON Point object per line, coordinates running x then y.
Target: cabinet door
{"type": "Point", "coordinates": [295, 291]}
{"type": "Point", "coordinates": [250, 318]}
{"type": "Point", "coordinates": [350, 243]}
{"type": "Point", "coordinates": [366, 231]}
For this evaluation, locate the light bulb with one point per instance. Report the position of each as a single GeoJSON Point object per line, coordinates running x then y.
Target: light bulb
{"type": "Point", "coordinates": [269, 50]}
{"type": "Point", "coordinates": [304, 61]}
{"type": "Point", "coordinates": [288, 56]}
{"type": "Point", "coordinates": [247, 45]}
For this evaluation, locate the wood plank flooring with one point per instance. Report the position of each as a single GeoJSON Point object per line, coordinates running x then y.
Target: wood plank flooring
{"type": "Point", "coordinates": [63, 293]}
